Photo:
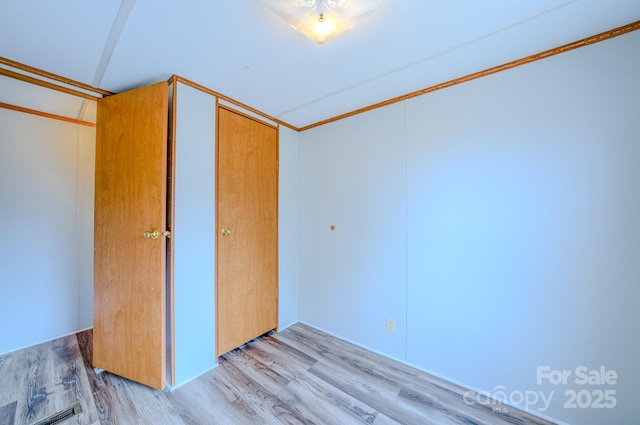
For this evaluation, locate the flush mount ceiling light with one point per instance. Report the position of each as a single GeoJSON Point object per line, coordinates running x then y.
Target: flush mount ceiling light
{"type": "Point", "coordinates": [321, 20]}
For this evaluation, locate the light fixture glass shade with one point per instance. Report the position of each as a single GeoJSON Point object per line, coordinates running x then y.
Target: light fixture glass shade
{"type": "Point", "coordinates": [321, 20]}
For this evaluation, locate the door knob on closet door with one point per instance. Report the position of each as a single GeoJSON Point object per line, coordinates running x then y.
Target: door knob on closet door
{"type": "Point", "coordinates": [151, 234]}
{"type": "Point", "coordinates": [225, 231]}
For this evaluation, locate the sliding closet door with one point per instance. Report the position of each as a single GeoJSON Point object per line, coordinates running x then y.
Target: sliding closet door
{"type": "Point", "coordinates": [247, 236]}
{"type": "Point", "coordinates": [129, 248]}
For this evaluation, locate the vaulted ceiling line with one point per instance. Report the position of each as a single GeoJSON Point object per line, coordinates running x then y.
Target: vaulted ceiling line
{"type": "Point", "coordinates": [624, 29]}
{"type": "Point", "coordinates": [114, 35]}
{"type": "Point", "coordinates": [119, 23]}
{"type": "Point", "coordinates": [431, 56]}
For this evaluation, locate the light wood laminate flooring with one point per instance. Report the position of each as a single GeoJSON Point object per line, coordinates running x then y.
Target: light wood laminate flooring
{"type": "Point", "coordinates": [298, 376]}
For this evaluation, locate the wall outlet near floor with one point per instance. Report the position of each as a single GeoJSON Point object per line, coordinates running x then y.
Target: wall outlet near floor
{"type": "Point", "coordinates": [391, 325]}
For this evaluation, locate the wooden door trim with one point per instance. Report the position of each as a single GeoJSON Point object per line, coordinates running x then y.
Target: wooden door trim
{"type": "Point", "coordinates": [217, 227]}
{"type": "Point", "coordinates": [225, 98]}
{"type": "Point", "coordinates": [277, 228]}
{"type": "Point", "coordinates": [171, 214]}
{"type": "Point", "coordinates": [251, 117]}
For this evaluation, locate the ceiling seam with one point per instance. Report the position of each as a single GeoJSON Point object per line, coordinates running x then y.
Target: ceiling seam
{"type": "Point", "coordinates": [384, 74]}
{"type": "Point", "coordinates": [616, 32]}
{"type": "Point", "coordinates": [112, 40]}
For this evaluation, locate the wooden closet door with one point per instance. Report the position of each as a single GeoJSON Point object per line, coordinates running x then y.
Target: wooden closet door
{"type": "Point", "coordinates": [129, 267]}
{"type": "Point", "coordinates": [247, 229]}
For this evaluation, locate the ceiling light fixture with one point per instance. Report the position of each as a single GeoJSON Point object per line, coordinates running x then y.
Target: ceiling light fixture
{"type": "Point", "coordinates": [321, 20]}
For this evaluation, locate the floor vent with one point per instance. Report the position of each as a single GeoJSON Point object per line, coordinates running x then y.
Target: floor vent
{"type": "Point", "coordinates": [61, 416]}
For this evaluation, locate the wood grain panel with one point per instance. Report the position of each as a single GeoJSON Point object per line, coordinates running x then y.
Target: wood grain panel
{"type": "Point", "coordinates": [247, 203]}
{"type": "Point", "coordinates": [129, 270]}
{"type": "Point", "coordinates": [8, 413]}
{"type": "Point", "coordinates": [400, 392]}
{"type": "Point", "coordinates": [204, 399]}
{"type": "Point", "coordinates": [258, 401]}
{"type": "Point", "coordinates": [121, 401]}
{"type": "Point", "coordinates": [68, 368]}
{"type": "Point", "coordinates": [264, 375]}
{"type": "Point", "coordinates": [298, 376]}
{"type": "Point", "coordinates": [43, 380]}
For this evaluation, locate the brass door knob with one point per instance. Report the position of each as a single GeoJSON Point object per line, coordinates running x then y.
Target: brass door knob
{"type": "Point", "coordinates": [151, 234]}
{"type": "Point", "coordinates": [225, 231]}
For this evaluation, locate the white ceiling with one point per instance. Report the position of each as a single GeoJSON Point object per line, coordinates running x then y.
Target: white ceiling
{"type": "Point", "coordinates": [243, 50]}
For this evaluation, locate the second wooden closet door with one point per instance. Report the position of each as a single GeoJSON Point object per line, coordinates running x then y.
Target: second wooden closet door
{"type": "Point", "coordinates": [247, 229]}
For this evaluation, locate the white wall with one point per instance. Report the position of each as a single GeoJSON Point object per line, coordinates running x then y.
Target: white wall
{"type": "Point", "coordinates": [86, 164]}
{"type": "Point", "coordinates": [288, 233]}
{"type": "Point", "coordinates": [194, 234]}
{"type": "Point", "coordinates": [46, 223]}
{"type": "Point", "coordinates": [513, 201]}
{"type": "Point", "coordinates": [524, 241]}
{"type": "Point", "coordinates": [353, 278]}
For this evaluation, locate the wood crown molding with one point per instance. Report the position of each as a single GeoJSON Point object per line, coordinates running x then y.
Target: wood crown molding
{"type": "Point", "coordinates": [633, 26]}
{"type": "Point", "coordinates": [45, 114]}
{"type": "Point", "coordinates": [46, 84]}
{"type": "Point", "coordinates": [52, 76]}
{"type": "Point", "coordinates": [177, 78]}
{"type": "Point", "coordinates": [513, 64]}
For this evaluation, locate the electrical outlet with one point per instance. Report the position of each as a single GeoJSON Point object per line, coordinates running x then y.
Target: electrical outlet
{"type": "Point", "coordinates": [391, 325]}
